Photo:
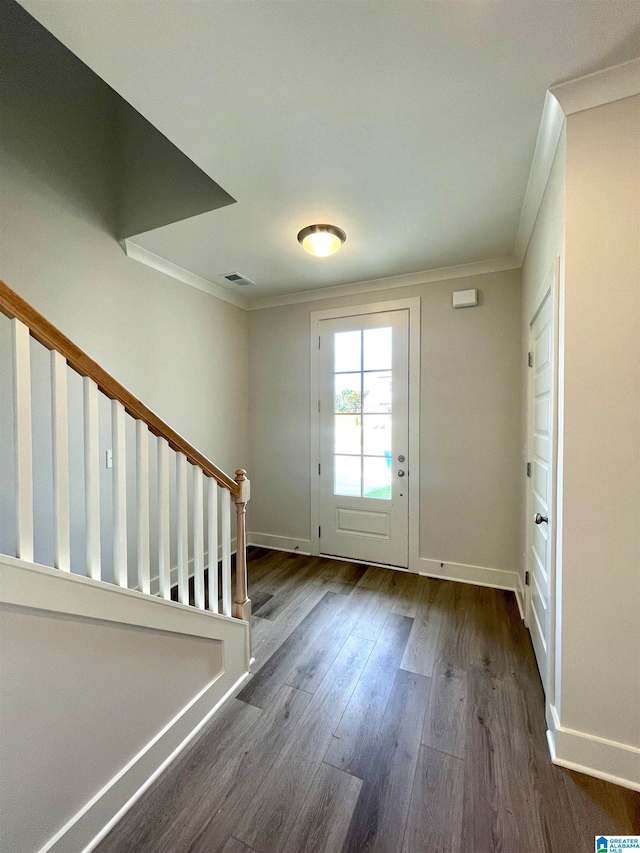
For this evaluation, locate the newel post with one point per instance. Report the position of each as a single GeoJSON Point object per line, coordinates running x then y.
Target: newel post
{"type": "Point", "coordinates": [242, 604]}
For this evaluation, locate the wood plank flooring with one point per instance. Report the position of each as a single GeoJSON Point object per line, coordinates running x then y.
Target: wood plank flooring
{"type": "Point", "coordinates": [386, 713]}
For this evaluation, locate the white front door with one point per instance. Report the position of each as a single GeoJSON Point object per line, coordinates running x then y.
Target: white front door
{"type": "Point", "coordinates": [364, 437]}
{"type": "Point", "coordinates": [539, 557]}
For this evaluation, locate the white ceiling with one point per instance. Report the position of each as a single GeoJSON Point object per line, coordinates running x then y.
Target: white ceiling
{"type": "Point", "coordinates": [411, 125]}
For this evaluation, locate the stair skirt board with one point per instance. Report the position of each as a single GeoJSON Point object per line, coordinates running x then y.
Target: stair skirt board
{"type": "Point", "coordinates": [92, 823]}
{"type": "Point", "coordinates": [29, 590]}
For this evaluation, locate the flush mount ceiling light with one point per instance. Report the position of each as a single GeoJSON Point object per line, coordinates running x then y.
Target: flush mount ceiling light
{"type": "Point", "coordinates": [321, 240]}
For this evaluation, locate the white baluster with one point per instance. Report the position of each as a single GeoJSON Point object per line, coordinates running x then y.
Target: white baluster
{"type": "Point", "coordinates": [60, 425]}
{"type": "Point", "coordinates": [212, 525]}
{"type": "Point", "coordinates": [183, 529]}
{"type": "Point", "coordinates": [22, 439]}
{"type": "Point", "coordinates": [164, 529]}
{"type": "Point", "coordinates": [225, 507]}
{"type": "Point", "coordinates": [91, 478]}
{"type": "Point", "coordinates": [119, 451]}
{"type": "Point", "coordinates": [142, 499]}
{"type": "Point", "coordinates": [198, 539]}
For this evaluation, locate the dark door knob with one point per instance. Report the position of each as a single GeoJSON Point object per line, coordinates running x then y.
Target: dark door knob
{"type": "Point", "coordinates": [540, 518]}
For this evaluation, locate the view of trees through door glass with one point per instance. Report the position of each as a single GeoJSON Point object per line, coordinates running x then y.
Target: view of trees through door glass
{"type": "Point", "coordinates": [362, 413]}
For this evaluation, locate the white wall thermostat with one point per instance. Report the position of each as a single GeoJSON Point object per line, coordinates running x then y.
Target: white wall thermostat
{"type": "Point", "coordinates": [465, 298]}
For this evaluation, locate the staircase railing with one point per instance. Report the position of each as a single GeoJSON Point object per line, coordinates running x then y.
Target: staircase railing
{"type": "Point", "coordinates": [211, 487]}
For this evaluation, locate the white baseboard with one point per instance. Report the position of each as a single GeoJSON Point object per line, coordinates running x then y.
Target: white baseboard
{"type": "Point", "coordinates": [477, 575]}
{"type": "Point", "coordinates": [279, 543]}
{"type": "Point", "coordinates": [89, 826]}
{"type": "Point", "coordinates": [585, 753]}
{"type": "Point", "coordinates": [173, 575]}
{"type": "Point", "coordinates": [520, 596]}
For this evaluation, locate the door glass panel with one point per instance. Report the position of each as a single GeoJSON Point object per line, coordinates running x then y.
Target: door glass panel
{"type": "Point", "coordinates": [377, 349]}
{"type": "Point", "coordinates": [362, 407]}
{"type": "Point", "coordinates": [377, 435]}
{"type": "Point", "coordinates": [347, 475]}
{"type": "Point", "coordinates": [347, 392]}
{"type": "Point", "coordinates": [348, 434]}
{"type": "Point", "coordinates": [377, 391]}
{"type": "Point", "coordinates": [377, 477]}
{"type": "Point", "coordinates": [347, 351]}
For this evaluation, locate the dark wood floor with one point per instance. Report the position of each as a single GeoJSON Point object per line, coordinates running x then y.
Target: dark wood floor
{"type": "Point", "coordinates": [387, 712]}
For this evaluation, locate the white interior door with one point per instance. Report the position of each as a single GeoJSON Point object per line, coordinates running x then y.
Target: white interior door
{"type": "Point", "coordinates": [364, 437]}
{"type": "Point", "coordinates": [539, 557]}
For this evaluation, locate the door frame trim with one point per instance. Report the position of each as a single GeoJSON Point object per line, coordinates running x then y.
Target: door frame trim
{"type": "Point", "coordinates": [550, 290]}
{"type": "Point", "coordinates": [412, 305]}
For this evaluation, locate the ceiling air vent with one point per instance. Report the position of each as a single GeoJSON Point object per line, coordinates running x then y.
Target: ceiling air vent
{"type": "Point", "coordinates": [237, 278]}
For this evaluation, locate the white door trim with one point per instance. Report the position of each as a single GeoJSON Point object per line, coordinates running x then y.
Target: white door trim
{"type": "Point", "coordinates": [413, 306]}
{"type": "Point", "coordinates": [550, 290]}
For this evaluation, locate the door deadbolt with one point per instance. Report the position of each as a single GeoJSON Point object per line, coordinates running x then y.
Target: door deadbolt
{"type": "Point", "coordinates": [400, 458]}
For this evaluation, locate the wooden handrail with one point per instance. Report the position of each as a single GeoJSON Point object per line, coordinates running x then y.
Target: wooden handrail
{"type": "Point", "coordinates": [14, 306]}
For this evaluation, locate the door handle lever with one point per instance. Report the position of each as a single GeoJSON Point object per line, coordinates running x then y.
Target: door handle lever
{"type": "Point", "coordinates": [540, 518]}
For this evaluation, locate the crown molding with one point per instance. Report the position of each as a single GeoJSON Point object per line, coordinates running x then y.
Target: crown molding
{"type": "Point", "coordinates": [601, 87]}
{"type": "Point", "coordinates": [144, 256]}
{"type": "Point", "coordinates": [551, 125]}
{"type": "Point", "coordinates": [373, 285]}
{"type": "Point", "coordinates": [564, 99]}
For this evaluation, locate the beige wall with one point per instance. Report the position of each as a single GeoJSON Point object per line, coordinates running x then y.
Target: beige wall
{"type": "Point", "coordinates": [593, 194]}
{"type": "Point", "coordinates": [182, 352]}
{"type": "Point", "coordinates": [600, 546]}
{"type": "Point", "coordinates": [470, 419]}
{"type": "Point", "coordinates": [78, 699]}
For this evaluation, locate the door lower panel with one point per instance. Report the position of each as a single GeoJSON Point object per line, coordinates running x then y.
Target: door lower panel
{"type": "Point", "coordinates": [362, 522]}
